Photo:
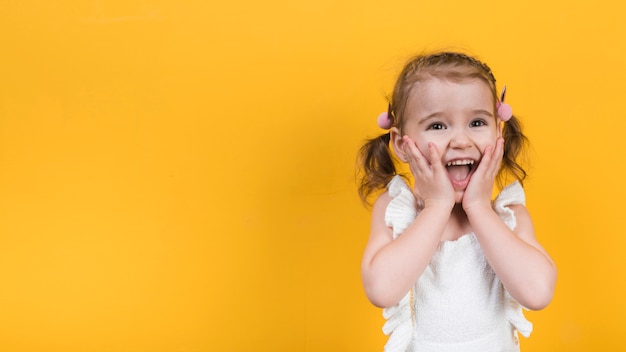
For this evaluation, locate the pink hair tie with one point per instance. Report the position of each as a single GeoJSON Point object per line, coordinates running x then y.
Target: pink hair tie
{"type": "Point", "coordinates": [505, 112]}
{"type": "Point", "coordinates": [385, 120]}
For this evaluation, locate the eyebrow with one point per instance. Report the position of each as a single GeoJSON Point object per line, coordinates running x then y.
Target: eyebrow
{"type": "Point", "coordinates": [482, 111]}
{"type": "Point", "coordinates": [429, 117]}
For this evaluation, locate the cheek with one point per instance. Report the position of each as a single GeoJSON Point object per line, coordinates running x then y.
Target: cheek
{"type": "Point", "coordinates": [487, 141]}
{"type": "Point", "coordinates": [424, 150]}
{"type": "Point", "coordinates": [422, 141]}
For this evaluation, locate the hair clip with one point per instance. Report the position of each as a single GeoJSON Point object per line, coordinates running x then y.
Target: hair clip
{"type": "Point", "coordinates": [505, 112]}
{"type": "Point", "coordinates": [384, 119]}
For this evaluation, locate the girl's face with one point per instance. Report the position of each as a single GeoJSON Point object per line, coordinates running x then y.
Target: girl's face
{"type": "Point", "coordinates": [458, 117]}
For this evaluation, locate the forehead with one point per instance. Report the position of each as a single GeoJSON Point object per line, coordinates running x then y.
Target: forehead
{"type": "Point", "coordinates": [439, 94]}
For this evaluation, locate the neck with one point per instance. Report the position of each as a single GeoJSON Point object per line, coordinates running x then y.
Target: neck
{"type": "Point", "coordinates": [458, 225]}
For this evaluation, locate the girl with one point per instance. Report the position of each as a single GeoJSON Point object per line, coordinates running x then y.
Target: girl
{"type": "Point", "coordinates": [451, 268]}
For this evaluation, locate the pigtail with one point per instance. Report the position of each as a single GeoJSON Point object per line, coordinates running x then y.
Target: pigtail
{"type": "Point", "coordinates": [376, 165]}
{"type": "Point", "coordinates": [515, 143]}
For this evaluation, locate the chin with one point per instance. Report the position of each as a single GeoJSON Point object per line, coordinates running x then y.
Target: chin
{"type": "Point", "coordinates": [458, 197]}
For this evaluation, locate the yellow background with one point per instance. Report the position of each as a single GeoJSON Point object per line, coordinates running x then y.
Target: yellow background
{"type": "Point", "coordinates": [179, 175]}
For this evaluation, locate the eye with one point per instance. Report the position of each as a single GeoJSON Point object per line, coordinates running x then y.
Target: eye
{"type": "Point", "coordinates": [478, 123]}
{"type": "Point", "coordinates": [436, 126]}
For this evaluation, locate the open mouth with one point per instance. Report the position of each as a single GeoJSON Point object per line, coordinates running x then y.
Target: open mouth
{"type": "Point", "coordinates": [459, 170]}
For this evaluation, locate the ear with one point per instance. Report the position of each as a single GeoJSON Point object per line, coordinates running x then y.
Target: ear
{"type": "Point", "coordinates": [397, 143]}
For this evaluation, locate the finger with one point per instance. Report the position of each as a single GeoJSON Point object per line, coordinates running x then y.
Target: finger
{"type": "Point", "coordinates": [498, 155]}
{"type": "Point", "coordinates": [410, 159]}
{"type": "Point", "coordinates": [494, 158]}
{"type": "Point", "coordinates": [410, 155]}
{"type": "Point", "coordinates": [415, 154]}
{"type": "Point", "coordinates": [485, 161]}
{"type": "Point", "coordinates": [416, 164]}
{"type": "Point", "coordinates": [435, 158]}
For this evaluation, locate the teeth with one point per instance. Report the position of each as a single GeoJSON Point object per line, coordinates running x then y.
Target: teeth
{"type": "Point", "coordinates": [461, 162]}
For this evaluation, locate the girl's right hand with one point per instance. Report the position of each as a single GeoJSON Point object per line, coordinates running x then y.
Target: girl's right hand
{"type": "Point", "coordinates": [432, 185]}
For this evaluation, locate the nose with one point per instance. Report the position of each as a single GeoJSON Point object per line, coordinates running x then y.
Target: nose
{"type": "Point", "coordinates": [460, 140]}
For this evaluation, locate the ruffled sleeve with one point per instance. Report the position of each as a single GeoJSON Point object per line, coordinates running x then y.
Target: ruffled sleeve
{"type": "Point", "coordinates": [401, 210]}
{"type": "Point", "coordinates": [399, 215]}
{"type": "Point", "coordinates": [399, 325]}
{"type": "Point", "coordinates": [510, 195]}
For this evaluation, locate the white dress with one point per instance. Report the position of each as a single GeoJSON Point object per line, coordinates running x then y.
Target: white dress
{"type": "Point", "coordinates": [458, 303]}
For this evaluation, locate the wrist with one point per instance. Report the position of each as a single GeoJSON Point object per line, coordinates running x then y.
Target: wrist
{"type": "Point", "coordinates": [477, 208]}
{"type": "Point", "coordinates": [438, 205]}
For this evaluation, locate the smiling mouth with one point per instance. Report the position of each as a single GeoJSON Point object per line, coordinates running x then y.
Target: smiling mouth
{"type": "Point", "coordinates": [459, 170]}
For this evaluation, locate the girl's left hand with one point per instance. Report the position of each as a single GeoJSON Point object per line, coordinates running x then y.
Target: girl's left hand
{"type": "Point", "coordinates": [478, 191]}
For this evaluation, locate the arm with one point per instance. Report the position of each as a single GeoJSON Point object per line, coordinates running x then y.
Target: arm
{"type": "Point", "coordinates": [391, 267]}
{"type": "Point", "coordinates": [525, 269]}
{"type": "Point", "coordinates": [517, 258]}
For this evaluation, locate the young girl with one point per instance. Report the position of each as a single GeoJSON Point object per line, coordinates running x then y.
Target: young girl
{"type": "Point", "coordinates": [451, 267]}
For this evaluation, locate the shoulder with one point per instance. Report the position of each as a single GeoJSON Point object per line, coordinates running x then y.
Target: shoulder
{"type": "Point", "coordinates": [511, 194]}
{"type": "Point", "coordinates": [397, 186]}
{"type": "Point", "coordinates": [397, 192]}
{"type": "Point", "coordinates": [523, 219]}
{"type": "Point", "coordinates": [381, 204]}
{"type": "Point", "coordinates": [523, 223]}
{"type": "Point", "coordinates": [510, 197]}
{"type": "Point", "coordinates": [392, 206]}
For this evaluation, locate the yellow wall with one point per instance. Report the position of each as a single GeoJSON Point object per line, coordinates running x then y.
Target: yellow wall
{"type": "Point", "coordinates": [178, 175]}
